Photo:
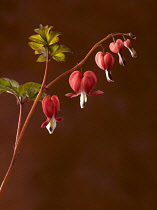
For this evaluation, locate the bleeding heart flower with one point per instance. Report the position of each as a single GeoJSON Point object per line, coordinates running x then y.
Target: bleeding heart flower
{"type": "Point", "coordinates": [83, 85]}
{"type": "Point", "coordinates": [127, 44]}
{"type": "Point", "coordinates": [116, 47]}
{"type": "Point", "coordinates": [105, 62]}
{"type": "Point", "coordinates": [50, 108]}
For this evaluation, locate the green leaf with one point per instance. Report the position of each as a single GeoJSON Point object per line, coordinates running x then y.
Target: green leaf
{"type": "Point", "coordinates": [45, 42]}
{"type": "Point", "coordinates": [9, 86]}
{"type": "Point", "coordinates": [43, 31]}
{"type": "Point", "coordinates": [37, 53]}
{"type": "Point", "coordinates": [36, 46]}
{"type": "Point", "coordinates": [12, 82]}
{"type": "Point", "coordinates": [37, 38]}
{"type": "Point", "coordinates": [57, 52]}
{"type": "Point", "coordinates": [27, 91]}
{"type": "Point", "coordinates": [59, 57]}
{"type": "Point", "coordinates": [63, 48]}
{"type": "Point", "coordinates": [30, 90]}
{"type": "Point", "coordinates": [54, 48]}
{"type": "Point", "coordinates": [4, 82]}
{"type": "Point", "coordinates": [41, 58]}
{"type": "Point", "coordinates": [59, 48]}
{"type": "Point", "coordinates": [2, 91]}
{"type": "Point", "coordinates": [53, 37]}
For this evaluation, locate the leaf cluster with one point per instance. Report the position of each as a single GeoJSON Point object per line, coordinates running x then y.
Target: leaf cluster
{"type": "Point", "coordinates": [25, 92]}
{"type": "Point", "coordinates": [45, 43]}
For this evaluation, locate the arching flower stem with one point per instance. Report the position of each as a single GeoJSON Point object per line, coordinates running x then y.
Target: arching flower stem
{"type": "Point", "coordinates": [20, 132]}
{"type": "Point", "coordinates": [86, 57]}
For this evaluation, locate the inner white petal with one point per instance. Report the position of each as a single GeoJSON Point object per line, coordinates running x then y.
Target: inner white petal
{"type": "Point", "coordinates": [51, 126]}
{"type": "Point", "coordinates": [108, 76]}
{"type": "Point", "coordinates": [83, 99]}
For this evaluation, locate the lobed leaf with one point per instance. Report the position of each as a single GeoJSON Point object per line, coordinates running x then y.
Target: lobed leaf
{"type": "Point", "coordinates": [9, 86]}
{"type": "Point", "coordinates": [41, 58]}
{"type": "Point", "coordinates": [59, 57]}
{"type": "Point", "coordinates": [59, 48]}
{"type": "Point", "coordinates": [45, 41]}
{"type": "Point", "coordinates": [36, 46]}
{"type": "Point", "coordinates": [30, 90]}
{"type": "Point", "coordinates": [53, 37]}
{"type": "Point", "coordinates": [12, 82]}
{"type": "Point", "coordinates": [27, 91]}
{"type": "Point", "coordinates": [37, 38]}
{"type": "Point", "coordinates": [43, 31]}
{"type": "Point", "coordinates": [57, 52]}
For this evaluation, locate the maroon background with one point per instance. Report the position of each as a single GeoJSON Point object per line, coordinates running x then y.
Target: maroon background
{"type": "Point", "coordinates": [104, 156]}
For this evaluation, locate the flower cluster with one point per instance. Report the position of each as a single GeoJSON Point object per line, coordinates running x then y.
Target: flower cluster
{"type": "Point", "coordinates": [105, 61]}
{"type": "Point", "coordinates": [83, 84]}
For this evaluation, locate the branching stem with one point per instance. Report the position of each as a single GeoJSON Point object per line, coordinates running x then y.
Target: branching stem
{"type": "Point", "coordinates": [20, 132]}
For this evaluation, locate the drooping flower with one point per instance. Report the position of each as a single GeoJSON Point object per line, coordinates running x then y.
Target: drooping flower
{"type": "Point", "coordinates": [50, 108]}
{"type": "Point", "coordinates": [116, 47]}
{"type": "Point", "coordinates": [127, 44]}
{"type": "Point", "coordinates": [105, 62]}
{"type": "Point", "coordinates": [83, 85]}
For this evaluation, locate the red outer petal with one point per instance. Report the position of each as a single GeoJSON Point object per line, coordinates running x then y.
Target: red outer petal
{"type": "Point", "coordinates": [96, 93]}
{"type": "Point", "coordinates": [109, 61]}
{"type": "Point", "coordinates": [71, 95]}
{"type": "Point", "coordinates": [117, 46]}
{"type": "Point", "coordinates": [75, 81]}
{"type": "Point", "coordinates": [99, 59]}
{"type": "Point", "coordinates": [56, 104]}
{"type": "Point", "coordinates": [59, 119]}
{"type": "Point", "coordinates": [127, 43]}
{"type": "Point", "coordinates": [45, 123]}
{"type": "Point", "coordinates": [88, 82]}
{"type": "Point", "coordinates": [47, 106]}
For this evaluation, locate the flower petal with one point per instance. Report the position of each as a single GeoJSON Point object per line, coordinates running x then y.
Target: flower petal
{"type": "Point", "coordinates": [51, 125]}
{"type": "Point", "coordinates": [59, 119]}
{"type": "Point", "coordinates": [71, 95]}
{"type": "Point", "coordinates": [96, 93]}
{"type": "Point", "coordinates": [56, 104]}
{"type": "Point", "coordinates": [47, 106]}
{"type": "Point", "coordinates": [88, 82]}
{"type": "Point", "coordinates": [109, 60]}
{"type": "Point", "coordinates": [121, 59]}
{"type": "Point", "coordinates": [109, 76]}
{"type": "Point", "coordinates": [83, 99]}
{"type": "Point", "coordinates": [75, 81]}
{"type": "Point", "coordinates": [99, 59]}
{"type": "Point", "coordinates": [117, 46]}
{"type": "Point", "coordinates": [45, 123]}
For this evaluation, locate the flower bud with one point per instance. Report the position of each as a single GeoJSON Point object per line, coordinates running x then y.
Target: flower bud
{"type": "Point", "coordinates": [116, 47]}
{"type": "Point", "coordinates": [127, 44]}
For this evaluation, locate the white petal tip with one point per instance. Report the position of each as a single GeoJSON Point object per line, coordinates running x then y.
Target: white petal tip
{"type": "Point", "coordinates": [83, 100]}
{"type": "Point", "coordinates": [109, 76]}
{"type": "Point", "coordinates": [51, 126]}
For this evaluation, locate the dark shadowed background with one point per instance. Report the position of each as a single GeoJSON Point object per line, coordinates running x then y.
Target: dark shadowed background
{"type": "Point", "coordinates": [104, 156]}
